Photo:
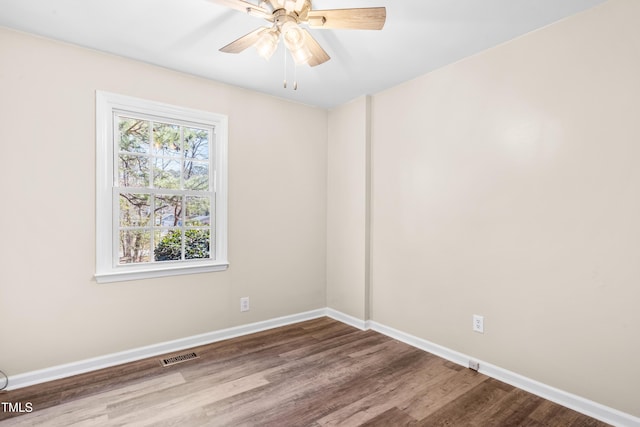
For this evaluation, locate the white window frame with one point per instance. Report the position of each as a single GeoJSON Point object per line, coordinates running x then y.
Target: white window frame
{"type": "Point", "coordinates": [107, 269]}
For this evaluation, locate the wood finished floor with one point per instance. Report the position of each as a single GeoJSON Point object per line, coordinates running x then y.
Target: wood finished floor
{"type": "Point", "coordinates": [315, 373]}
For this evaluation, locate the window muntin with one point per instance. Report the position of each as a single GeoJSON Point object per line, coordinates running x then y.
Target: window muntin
{"type": "Point", "coordinates": [166, 212]}
{"type": "Point", "coordinates": [155, 224]}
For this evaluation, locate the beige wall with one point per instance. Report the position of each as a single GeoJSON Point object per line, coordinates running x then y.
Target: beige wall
{"type": "Point", "coordinates": [51, 309]}
{"type": "Point", "coordinates": [503, 185]}
{"type": "Point", "coordinates": [506, 185]}
{"type": "Point", "coordinates": [347, 227]}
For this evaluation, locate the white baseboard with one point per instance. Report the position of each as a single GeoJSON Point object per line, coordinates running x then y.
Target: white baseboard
{"type": "Point", "coordinates": [569, 400]}
{"type": "Point", "coordinates": [577, 403]}
{"type": "Point", "coordinates": [88, 365]}
{"type": "Point", "coordinates": [345, 318]}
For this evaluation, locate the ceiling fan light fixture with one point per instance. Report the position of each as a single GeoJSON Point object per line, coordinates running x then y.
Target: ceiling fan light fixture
{"type": "Point", "coordinates": [292, 35]}
{"type": "Point", "coordinates": [302, 55]}
{"type": "Point", "coordinates": [295, 41]}
{"type": "Point", "coordinates": [286, 16]}
{"type": "Point", "coordinates": [290, 5]}
{"type": "Point", "coordinates": [267, 44]}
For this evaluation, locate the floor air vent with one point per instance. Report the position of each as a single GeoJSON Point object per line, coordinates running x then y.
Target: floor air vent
{"type": "Point", "coordinates": [178, 359]}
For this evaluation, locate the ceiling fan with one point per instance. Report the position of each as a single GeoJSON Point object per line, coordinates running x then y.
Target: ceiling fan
{"type": "Point", "coordinates": [286, 16]}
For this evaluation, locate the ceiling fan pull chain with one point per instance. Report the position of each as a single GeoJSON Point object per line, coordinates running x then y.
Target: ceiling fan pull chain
{"type": "Point", "coordinates": [295, 76]}
{"type": "Point", "coordinates": [285, 68]}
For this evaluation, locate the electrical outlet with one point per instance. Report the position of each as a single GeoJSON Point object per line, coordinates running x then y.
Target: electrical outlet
{"type": "Point", "coordinates": [478, 323]}
{"type": "Point", "coordinates": [474, 365]}
{"type": "Point", "coordinates": [244, 304]}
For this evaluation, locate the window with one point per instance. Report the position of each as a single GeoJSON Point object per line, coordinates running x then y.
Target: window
{"type": "Point", "coordinates": [161, 189]}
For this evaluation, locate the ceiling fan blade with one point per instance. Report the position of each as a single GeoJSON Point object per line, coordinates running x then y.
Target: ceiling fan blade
{"type": "Point", "coordinates": [275, 4]}
{"type": "Point", "coordinates": [243, 42]}
{"type": "Point", "coordinates": [366, 18]}
{"type": "Point", "coordinates": [246, 7]}
{"type": "Point", "coordinates": [299, 5]}
{"type": "Point", "coordinates": [318, 54]}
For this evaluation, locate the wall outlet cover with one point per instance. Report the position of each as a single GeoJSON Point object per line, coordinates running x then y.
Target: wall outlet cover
{"type": "Point", "coordinates": [478, 323]}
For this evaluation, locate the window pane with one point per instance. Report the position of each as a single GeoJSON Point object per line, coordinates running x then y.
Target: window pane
{"type": "Point", "coordinates": [197, 211]}
{"type": "Point", "coordinates": [166, 139]}
{"type": "Point", "coordinates": [135, 210]}
{"type": "Point", "coordinates": [134, 246]}
{"type": "Point", "coordinates": [133, 171]}
{"type": "Point", "coordinates": [196, 144]}
{"type": "Point", "coordinates": [134, 135]}
{"type": "Point", "coordinates": [166, 173]}
{"type": "Point", "coordinates": [196, 175]}
{"type": "Point", "coordinates": [168, 245]}
{"type": "Point", "coordinates": [160, 171]}
{"type": "Point", "coordinates": [196, 244]}
{"type": "Point", "coordinates": [168, 211]}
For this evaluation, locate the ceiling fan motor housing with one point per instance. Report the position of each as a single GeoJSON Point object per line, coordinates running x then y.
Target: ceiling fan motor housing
{"type": "Point", "coordinates": [286, 17]}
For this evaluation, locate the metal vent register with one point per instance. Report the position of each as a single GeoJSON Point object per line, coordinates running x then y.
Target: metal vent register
{"type": "Point", "coordinates": [178, 359]}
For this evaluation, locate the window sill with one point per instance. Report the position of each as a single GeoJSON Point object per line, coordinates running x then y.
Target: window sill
{"type": "Point", "coordinates": [126, 274]}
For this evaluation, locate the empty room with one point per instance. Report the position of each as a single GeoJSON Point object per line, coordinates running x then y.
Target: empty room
{"type": "Point", "coordinates": [313, 213]}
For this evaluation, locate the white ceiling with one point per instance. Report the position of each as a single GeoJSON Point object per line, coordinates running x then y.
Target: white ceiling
{"type": "Point", "coordinates": [185, 35]}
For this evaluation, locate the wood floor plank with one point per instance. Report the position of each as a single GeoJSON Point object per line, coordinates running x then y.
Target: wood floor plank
{"type": "Point", "coordinates": [357, 398]}
{"type": "Point", "coordinates": [389, 391]}
{"type": "Point", "coordinates": [467, 408]}
{"type": "Point", "coordinates": [443, 393]}
{"type": "Point", "coordinates": [391, 417]}
{"type": "Point", "coordinates": [316, 373]}
{"type": "Point", "coordinates": [547, 413]}
{"type": "Point", "coordinates": [344, 342]}
{"type": "Point", "coordinates": [159, 409]}
{"type": "Point", "coordinates": [194, 418]}
{"type": "Point", "coordinates": [514, 409]}
{"type": "Point", "coordinates": [92, 410]}
{"type": "Point", "coordinates": [298, 386]}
